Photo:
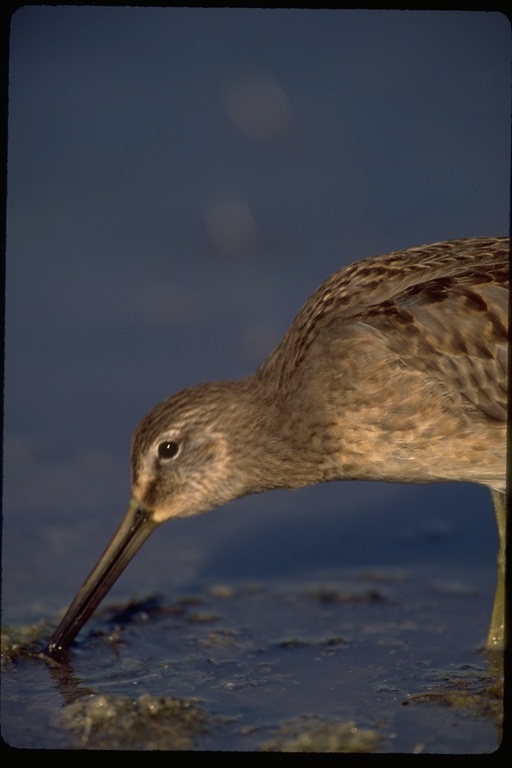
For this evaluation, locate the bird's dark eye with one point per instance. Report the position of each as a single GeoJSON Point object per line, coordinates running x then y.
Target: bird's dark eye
{"type": "Point", "coordinates": [168, 449]}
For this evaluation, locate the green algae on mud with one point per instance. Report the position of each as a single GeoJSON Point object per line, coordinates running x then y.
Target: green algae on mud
{"type": "Point", "coordinates": [468, 688]}
{"type": "Point", "coordinates": [312, 734]}
{"type": "Point", "coordinates": [101, 721]}
{"type": "Point", "coordinates": [23, 640]}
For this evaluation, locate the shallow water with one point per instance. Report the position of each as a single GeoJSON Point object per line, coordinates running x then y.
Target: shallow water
{"type": "Point", "coordinates": [384, 655]}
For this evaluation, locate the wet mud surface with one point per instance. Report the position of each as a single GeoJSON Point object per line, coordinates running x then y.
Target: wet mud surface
{"type": "Point", "coordinates": [372, 661]}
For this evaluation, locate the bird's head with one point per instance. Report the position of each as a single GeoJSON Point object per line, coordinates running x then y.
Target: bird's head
{"type": "Point", "coordinates": [185, 452]}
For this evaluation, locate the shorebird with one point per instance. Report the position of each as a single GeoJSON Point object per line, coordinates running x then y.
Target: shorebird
{"type": "Point", "coordinates": [395, 369]}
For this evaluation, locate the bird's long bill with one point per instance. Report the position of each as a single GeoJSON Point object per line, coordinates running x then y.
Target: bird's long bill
{"type": "Point", "coordinates": [135, 528]}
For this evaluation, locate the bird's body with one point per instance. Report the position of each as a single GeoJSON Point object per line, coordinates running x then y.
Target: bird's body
{"type": "Point", "coordinates": [395, 369]}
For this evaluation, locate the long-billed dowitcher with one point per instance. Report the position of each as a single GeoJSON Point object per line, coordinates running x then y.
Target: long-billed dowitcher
{"type": "Point", "coordinates": [394, 369]}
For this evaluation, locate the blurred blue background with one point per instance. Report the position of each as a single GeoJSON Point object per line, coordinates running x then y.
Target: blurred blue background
{"type": "Point", "coordinates": [179, 181]}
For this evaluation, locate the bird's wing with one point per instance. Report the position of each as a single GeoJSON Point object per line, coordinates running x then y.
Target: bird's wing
{"type": "Point", "coordinates": [441, 309]}
{"type": "Point", "coordinates": [453, 329]}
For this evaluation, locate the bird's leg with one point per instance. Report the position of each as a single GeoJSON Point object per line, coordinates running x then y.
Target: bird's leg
{"type": "Point", "coordinates": [496, 636]}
